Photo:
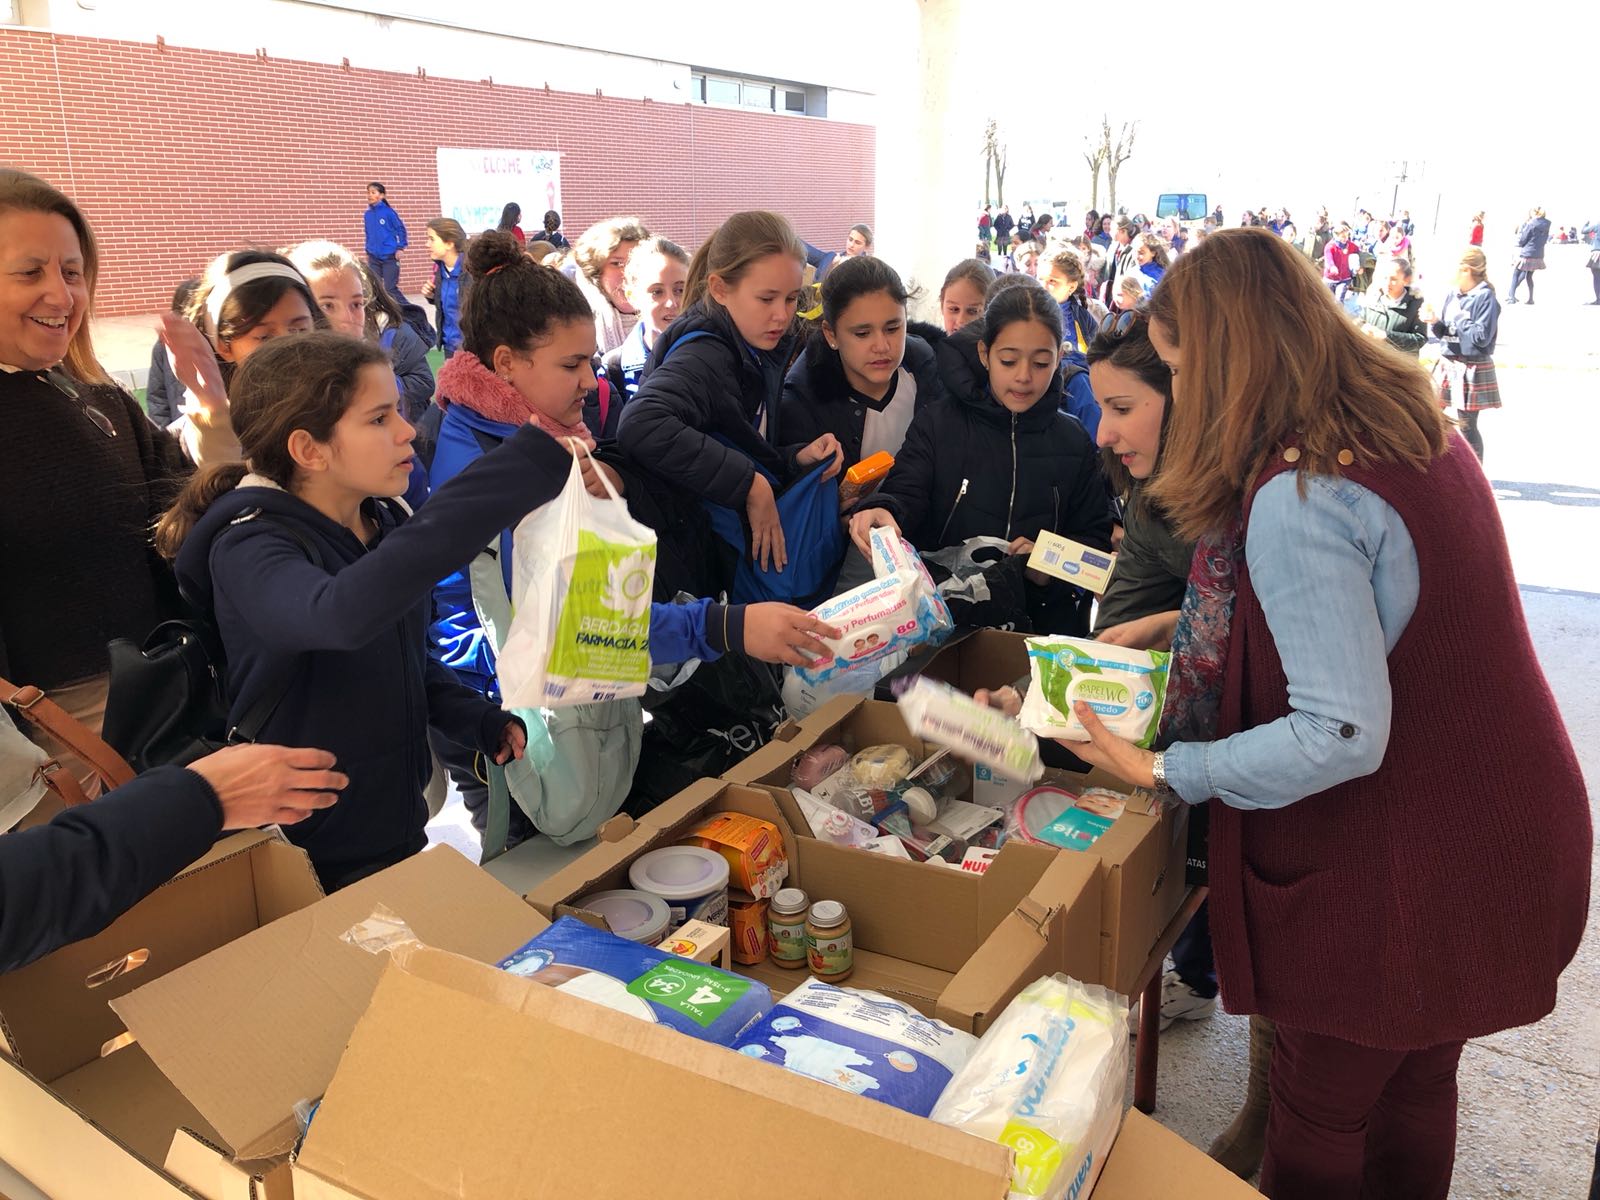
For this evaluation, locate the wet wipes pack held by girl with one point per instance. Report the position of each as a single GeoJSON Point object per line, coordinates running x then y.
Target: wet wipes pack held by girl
{"type": "Point", "coordinates": [1126, 688]}
{"type": "Point", "coordinates": [642, 981]}
{"type": "Point", "coordinates": [897, 610]}
{"type": "Point", "coordinates": [861, 1042]}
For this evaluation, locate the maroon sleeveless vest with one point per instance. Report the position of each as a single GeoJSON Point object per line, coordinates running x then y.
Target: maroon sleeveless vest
{"type": "Point", "coordinates": [1439, 898]}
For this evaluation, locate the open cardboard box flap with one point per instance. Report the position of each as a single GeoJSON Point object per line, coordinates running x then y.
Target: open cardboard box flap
{"type": "Point", "coordinates": [250, 1029]}
{"type": "Point", "coordinates": [82, 1120]}
{"type": "Point", "coordinates": [462, 1081]}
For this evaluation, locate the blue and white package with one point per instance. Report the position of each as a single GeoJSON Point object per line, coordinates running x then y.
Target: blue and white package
{"type": "Point", "coordinates": [861, 1042]}
{"type": "Point", "coordinates": [691, 997]}
{"type": "Point", "coordinates": [891, 614]}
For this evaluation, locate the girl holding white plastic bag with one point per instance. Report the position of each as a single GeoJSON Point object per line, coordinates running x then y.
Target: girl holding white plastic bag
{"type": "Point", "coordinates": [527, 354]}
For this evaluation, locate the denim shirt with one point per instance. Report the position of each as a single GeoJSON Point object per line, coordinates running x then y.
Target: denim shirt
{"type": "Point", "coordinates": [1337, 578]}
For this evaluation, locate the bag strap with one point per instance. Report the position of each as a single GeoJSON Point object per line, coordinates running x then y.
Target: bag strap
{"type": "Point", "coordinates": [497, 823]}
{"type": "Point", "coordinates": [45, 714]}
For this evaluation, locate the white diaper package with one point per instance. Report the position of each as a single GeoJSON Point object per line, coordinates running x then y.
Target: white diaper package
{"type": "Point", "coordinates": [946, 716]}
{"type": "Point", "coordinates": [897, 610]}
{"type": "Point", "coordinates": [1126, 688]}
{"type": "Point", "coordinates": [860, 1042]}
{"type": "Point", "coordinates": [1047, 1081]}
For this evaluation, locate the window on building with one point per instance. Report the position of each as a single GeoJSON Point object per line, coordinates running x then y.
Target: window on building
{"type": "Point", "coordinates": [719, 90]}
{"type": "Point", "coordinates": [767, 95]}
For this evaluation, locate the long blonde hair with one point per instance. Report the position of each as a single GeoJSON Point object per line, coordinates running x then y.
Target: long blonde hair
{"type": "Point", "coordinates": [21, 192]}
{"type": "Point", "coordinates": [1270, 358]}
{"type": "Point", "coordinates": [740, 242]}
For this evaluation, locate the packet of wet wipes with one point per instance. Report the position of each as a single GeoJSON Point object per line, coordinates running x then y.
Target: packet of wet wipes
{"type": "Point", "coordinates": [896, 611]}
{"type": "Point", "coordinates": [1126, 688]}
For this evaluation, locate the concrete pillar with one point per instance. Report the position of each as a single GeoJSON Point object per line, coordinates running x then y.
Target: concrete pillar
{"type": "Point", "coordinates": [930, 136]}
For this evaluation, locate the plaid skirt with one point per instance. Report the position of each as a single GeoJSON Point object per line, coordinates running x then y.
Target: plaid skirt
{"type": "Point", "coordinates": [1529, 264]}
{"type": "Point", "coordinates": [1466, 384]}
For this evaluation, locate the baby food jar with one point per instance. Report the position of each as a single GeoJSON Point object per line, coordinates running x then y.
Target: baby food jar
{"type": "Point", "coordinates": [829, 950]}
{"type": "Point", "coordinates": [786, 925]}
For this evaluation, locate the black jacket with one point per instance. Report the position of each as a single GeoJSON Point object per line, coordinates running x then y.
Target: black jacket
{"type": "Point", "coordinates": [1398, 319]}
{"type": "Point", "coordinates": [970, 468]}
{"type": "Point", "coordinates": [713, 386]}
{"type": "Point", "coordinates": [818, 400]}
{"type": "Point", "coordinates": [67, 880]}
{"type": "Point", "coordinates": [351, 639]}
{"type": "Point", "coordinates": [1152, 570]}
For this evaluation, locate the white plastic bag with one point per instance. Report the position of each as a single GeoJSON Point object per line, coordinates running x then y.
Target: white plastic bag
{"type": "Point", "coordinates": [583, 573]}
{"type": "Point", "coordinates": [1047, 1080]}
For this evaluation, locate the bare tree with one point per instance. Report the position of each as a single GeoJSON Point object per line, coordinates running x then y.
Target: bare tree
{"type": "Point", "coordinates": [1117, 155]}
{"type": "Point", "coordinates": [1095, 156]}
{"type": "Point", "coordinates": [994, 162]}
{"type": "Point", "coordinates": [988, 160]}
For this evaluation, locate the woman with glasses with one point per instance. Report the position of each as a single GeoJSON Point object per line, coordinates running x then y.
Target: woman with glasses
{"type": "Point", "coordinates": [86, 475]}
{"type": "Point", "coordinates": [1381, 886]}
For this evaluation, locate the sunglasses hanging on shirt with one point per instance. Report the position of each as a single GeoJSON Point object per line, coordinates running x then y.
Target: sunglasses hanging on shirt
{"type": "Point", "coordinates": [57, 379]}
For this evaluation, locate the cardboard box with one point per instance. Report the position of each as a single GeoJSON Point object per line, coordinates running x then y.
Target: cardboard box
{"type": "Point", "coordinates": [461, 1082]}
{"type": "Point", "coordinates": [1143, 854]}
{"type": "Point", "coordinates": [256, 1026]}
{"type": "Point", "coordinates": [81, 1120]}
{"type": "Point", "coordinates": [954, 945]}
{"type": "Point", "coordinates": [1148, 1161]}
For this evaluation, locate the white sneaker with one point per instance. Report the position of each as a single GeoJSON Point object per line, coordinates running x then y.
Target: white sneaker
{"type": "Point", "coordinates": [1180, 1002]}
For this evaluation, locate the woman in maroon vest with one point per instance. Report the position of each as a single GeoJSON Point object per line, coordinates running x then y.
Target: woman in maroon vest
{"type": "Point", "coordinates": [1392, 872]}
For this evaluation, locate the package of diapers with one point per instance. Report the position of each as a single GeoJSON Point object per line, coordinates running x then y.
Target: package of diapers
{"type": "Point", "coordinates": [1047, 1081]}
{"type": "Point", "coordinates": [642, 981]}
{"type": "Point", "coordinates": [1125, 688]}
{"type": "Point", "coordinates": [884, 618]}
{"type": "Point", "coordinates": [861, 1042]}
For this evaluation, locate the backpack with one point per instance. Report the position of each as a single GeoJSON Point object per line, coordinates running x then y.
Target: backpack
{"type": "Point", "coordinates": [168, 698]}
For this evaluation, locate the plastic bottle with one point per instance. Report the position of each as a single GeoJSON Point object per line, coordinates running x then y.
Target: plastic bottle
{"type": "Point", "coordinates": [829, 948]}
{"type": "Point", "coordinates": [786, 928]}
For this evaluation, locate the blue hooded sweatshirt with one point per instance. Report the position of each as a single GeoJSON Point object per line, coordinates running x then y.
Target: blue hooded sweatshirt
{"type": "Point", "coordinates": [351, 638]}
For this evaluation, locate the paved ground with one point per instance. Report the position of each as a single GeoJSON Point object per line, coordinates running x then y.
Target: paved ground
{"type": "Point", "coordinates": [1530, 1098]}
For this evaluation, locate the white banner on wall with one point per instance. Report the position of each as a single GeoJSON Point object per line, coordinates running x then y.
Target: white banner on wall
{"type": "Point", "coordinates": [475, 185]}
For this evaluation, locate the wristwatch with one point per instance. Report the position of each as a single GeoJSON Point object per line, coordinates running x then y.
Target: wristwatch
{"type": "Point", "coordinates": [1158, 772]}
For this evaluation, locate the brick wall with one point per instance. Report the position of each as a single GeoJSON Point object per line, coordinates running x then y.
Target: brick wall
{"type": "Point", "coordinates": [177, 154]}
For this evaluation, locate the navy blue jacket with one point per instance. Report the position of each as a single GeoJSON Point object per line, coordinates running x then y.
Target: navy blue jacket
{"type": "Point", "coordinates": [352, 639]}
{"type": "Point", "coordinates": [386, 232]}
{"type": "Point", "coordinates": [163, 391]}
{"type": "Point", "coordinates": [1532, 237]}
{"type": "Point", "coordinates": [694, 420]}
{"type": "Point", "coordinates": [409, 357]}
{"type": "Point", "coordinates": [67, 880]}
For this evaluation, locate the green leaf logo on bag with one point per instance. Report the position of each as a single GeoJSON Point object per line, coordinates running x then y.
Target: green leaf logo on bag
{"type": "Point", "coordinates": [603, 635]}
{"type": "Point", "coordinates": [628, 584]}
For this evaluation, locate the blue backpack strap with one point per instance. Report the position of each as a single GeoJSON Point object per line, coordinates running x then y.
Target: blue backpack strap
{"type": "Point", "coordinates": [386, 340]}
{"type": "Point", "coordinates": [686, 338]}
